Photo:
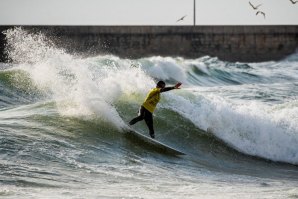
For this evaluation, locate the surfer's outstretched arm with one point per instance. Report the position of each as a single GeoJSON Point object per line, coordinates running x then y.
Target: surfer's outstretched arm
{"type": "Point", "coordinates": [165, 89]}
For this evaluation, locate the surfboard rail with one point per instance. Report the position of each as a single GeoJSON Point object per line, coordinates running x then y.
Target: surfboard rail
{"type": "Point", "coordinates": [153, 142]}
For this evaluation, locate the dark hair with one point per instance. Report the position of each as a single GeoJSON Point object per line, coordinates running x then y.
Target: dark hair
{"type": "Point", "coordinates": [160, 83]}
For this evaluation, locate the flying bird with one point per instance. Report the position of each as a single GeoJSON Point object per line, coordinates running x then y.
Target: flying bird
{"type": "Point", "coordinates": [260, 12]}
{"type": "Point", "coordinates": [255, 7]}
{"type": "Point", "coordinates": [182, 18]}
{"type": "Point", "coordinates": [293, 2]}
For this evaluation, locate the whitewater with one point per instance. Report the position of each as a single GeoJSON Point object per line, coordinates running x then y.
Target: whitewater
{"type": "Point", "coordinates": [63, 120]}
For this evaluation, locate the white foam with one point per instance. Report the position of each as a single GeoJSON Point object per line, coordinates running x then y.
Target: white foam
{"type": "Point", "coordinates": [165, 68]}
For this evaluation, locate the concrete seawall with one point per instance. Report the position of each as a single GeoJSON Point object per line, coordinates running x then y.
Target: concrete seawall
{"type": "Point", "coordinates": [231, 43]}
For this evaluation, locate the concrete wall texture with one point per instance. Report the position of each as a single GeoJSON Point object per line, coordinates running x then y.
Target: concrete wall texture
{"type": "Point", "coordinates": [230, 43]}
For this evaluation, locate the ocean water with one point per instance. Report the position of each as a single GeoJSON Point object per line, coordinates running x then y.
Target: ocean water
{"type": "Point", "coordinates": [63, 120]}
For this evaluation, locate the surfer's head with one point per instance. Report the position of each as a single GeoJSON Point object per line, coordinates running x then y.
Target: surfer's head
{"type": "Point", "coordinates": [160, 84]}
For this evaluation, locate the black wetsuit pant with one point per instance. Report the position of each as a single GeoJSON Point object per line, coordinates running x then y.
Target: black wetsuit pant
{"type": "Point", "coordinates": [146, 115]}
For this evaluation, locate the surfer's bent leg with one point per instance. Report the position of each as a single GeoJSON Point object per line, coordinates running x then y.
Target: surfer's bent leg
{"type": "Point", "coordinates": [140, 117]}
{"type": "Point", "coordinates": [149, 121]}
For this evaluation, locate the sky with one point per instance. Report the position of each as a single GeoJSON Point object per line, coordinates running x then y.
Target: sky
{"type": "Point", "coordinates": [146, 12]}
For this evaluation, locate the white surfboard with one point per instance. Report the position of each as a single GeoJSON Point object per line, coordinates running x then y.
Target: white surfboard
{"type": "Point", "coordinates": [158, 145]}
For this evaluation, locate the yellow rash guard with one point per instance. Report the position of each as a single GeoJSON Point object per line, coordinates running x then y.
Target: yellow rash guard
{"type": "Point", "coordinates": [152, 99]}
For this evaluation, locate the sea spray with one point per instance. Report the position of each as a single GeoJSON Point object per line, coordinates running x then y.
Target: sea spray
{"type": "Point", "coordinates": [72, 82]}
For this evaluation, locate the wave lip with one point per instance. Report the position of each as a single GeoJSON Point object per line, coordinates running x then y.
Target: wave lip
{"type": "Point", "coordinates": [251, 128]}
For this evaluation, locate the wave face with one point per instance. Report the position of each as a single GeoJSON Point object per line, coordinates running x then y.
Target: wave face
{"type": "Point", "coordinates": [62, 119]}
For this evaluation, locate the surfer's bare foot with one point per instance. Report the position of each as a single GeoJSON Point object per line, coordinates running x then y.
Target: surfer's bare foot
{"type": "Point", "coordinates": [152, 135]}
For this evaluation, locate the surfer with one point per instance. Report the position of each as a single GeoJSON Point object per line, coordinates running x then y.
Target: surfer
{"type": "Point", "coordinates": [147, 108]}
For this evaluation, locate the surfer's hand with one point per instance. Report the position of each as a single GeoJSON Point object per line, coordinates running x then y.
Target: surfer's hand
{"type": "Point", "coordinates": [177, 85]}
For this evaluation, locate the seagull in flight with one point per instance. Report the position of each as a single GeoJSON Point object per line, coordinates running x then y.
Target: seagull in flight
{"type": "Point", "coordinates": [182, 18]}
{"type": "Point", "coordinates": [255, 7]}
{"type": "Point", "coordinates": [293, 2]}
{"type": "Point", "coordinates": [260, 12]}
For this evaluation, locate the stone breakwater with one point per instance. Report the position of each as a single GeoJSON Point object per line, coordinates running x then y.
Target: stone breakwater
{"type": "Point", "coordinates": [230, 43]}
